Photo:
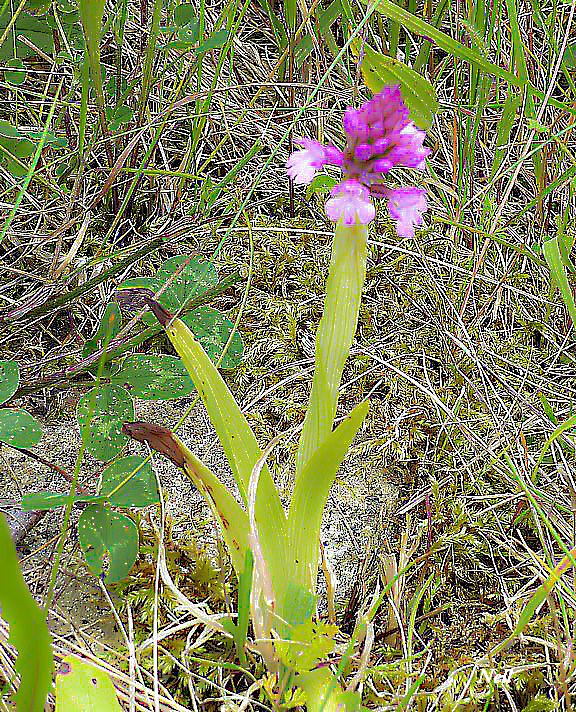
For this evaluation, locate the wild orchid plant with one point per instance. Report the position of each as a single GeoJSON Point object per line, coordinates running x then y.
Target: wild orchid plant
{"type": "Point", "coordinates": [277, 551]}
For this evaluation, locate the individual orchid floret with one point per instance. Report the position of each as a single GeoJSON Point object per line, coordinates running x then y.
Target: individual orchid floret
{"type": "Point", "coordinates": [303, 165]}
{"type": "Point", "coordinates": [379, 137]}
{"type": "Point", "coordinates": [406, 206]}
{"type": "Point", "coordinates": [350, 202]}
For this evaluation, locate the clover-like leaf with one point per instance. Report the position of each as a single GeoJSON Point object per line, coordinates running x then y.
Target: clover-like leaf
{"type": "Point", "coordinates": [195, 276]}
{"type": "Point", "coordinates": [15, 72]}
{"type": "Point", "coordinates": [109, 541]}
{"type": "Point", "coordinates": [9, 379]}
{"type": "Point", "coordinates": [83, 687]}
{"type": "Point", "coordinates": [213, 329]}
{"type": "Point", "coordinates": [154, 377]}
{"type": "Point", "coordinates": [18, 428]}
{"type": "Point", "coordinates": [101, 412]}
{"type": "Point", "coordinates": [140, 488]}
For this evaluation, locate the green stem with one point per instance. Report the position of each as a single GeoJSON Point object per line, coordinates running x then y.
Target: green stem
{"type": "Point", "coordinates": [335, 334]}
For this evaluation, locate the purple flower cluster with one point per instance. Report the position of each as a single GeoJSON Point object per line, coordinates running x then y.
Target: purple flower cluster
{"type": "Point", "coordinates": [379, 136]}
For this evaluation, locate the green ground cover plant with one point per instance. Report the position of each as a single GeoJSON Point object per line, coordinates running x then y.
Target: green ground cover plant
{"type": "Point", "coordinates": [165, 281]}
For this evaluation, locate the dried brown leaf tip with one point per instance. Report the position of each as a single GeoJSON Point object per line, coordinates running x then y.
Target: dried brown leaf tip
{"type": "Point", "coordinates": [139, 297]}
{"type": "Point", "coordinates": [158, 438]}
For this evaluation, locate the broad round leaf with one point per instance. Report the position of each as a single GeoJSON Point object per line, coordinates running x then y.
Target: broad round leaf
{"type": "Point", "coordinates": [141, 489]}
{"type": "Point", "coordinates": [82, 687]}
{"type": "Point", "coordinates": [419, 95]}
{"type": "Point", "coordinates": [154, 377]}
{"type": "Point", "coordinates": [15, 73]}
{"type": "Point", "coordinates": [185, 15]}
{"type": "Point", "coordinates": [109, 541]}
{"type": "Point", "coordinates": [196, 277]}
{"type": "Point", "coordinates": [18, 428]}
{"type": "Point", "coordinates": [9, 379]}
{"type": "Point", "coordinates": [102, 411]}
{"type": "Point", "coordinates": [213, 329]}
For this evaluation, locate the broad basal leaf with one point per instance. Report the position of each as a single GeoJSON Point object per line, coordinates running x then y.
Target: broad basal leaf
{"type": "Point", "coordinates": [109, 541]}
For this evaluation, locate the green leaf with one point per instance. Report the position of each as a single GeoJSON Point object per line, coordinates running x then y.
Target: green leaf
{"type": "Point", "coordinates": [569, 58]}
{"type": "Point", "coordinates": [140, 490]}
{"type": "Point", "coordinates": [9, 379]}
{"type": "Point", "coordinates": [241, 448]}
{"type": "Point", "coordinates": [213, 329]}
{"type": "Point", "coordinates": [457, 49]}
{"type": "Point", "coordinates": [117, 116]}
{"type": "Point", "coordinates": [18, 428]}
{"type": "Point", "coordinates": [51, 500]}
{"type": "Point", "coordinates": [28, 630]}
{"type": "Point", "coordinates": [418, 93]}
{"type": "Point", "coordinates": [82, 687]}
{"type": "Point", "coordinates": [214, 41]}
{"type": "Point", "coordinates": [109, 541]}
{"type": "Point", "coordinates": [309, 643]}
{"type": "Point", "coordinates": [185, 16]}
{"type": "Point", "coordinates": [194, 279]}
{"type": "Point", "coordinates": [553, 257]}
{"type": "Point", "coordinates": [197, 277]}
{"type": "Point", "coordinates": [35, 29]}
{"type": "Point", "coordinates": [324, 694]}
{"type": "Point", "coordinates": [311, 493]}
{"type": "Point", "coordinates": [228, 513]}
{"type": "Point", "coordinates": [335, 334]}
{"type": "Point", "coordinates": [100, 414]}
{"type": "Point", "coordinates": [16, 74]}
{"type": "Point", "coordinates": [154, 377]}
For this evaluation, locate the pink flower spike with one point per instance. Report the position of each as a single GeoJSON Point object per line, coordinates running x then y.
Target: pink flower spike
{"type": "Point", "coordinates": [303, 165]}
{"type": "Point", "coordinates": [350, 202]}
{"type": "Point", "coordinates": [406, 206]}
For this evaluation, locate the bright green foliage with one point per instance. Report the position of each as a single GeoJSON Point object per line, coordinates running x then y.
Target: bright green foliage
{"type": "Point", "coordinates": [18, 428]}
{"type": "Point", "coordinates": [195, 276]}
{"type": "Point", "coordinates": [187, 30]}
{"type": "Point", "coordinates": [311, 494]}
{"type": "Point", "coordinates": [16, 146]}
{"type": "Point", "coordinates": [28, 630]}
{"type": "Point", "coordinates": [557, 265]}
{"type": "Point", "coordinates": [335, 334]}
{"type": "Point", "coordinates": [418, 93]}
{"type": "Point", "coordinates": [309, 643]}
{"type": "Point", "coordinates": [109, 541]}
{"type": "Point", "coordinates": [324, 694]}
{"type": "Point", "coordinates": [101, 413]}
{"type": "Point", "coordinates": [140, 490]}
{"type": "Point", "coordinates": [51, 500]}
{"type": "Point", "coordinates": [9, 379]}
{"type": "Point", "coordinates": [82, 687]}
{"type": "Point", "coordinates": [154, 377]}
{"type": "Point", "coordinates": [241, 448]}
{"type": "Point", "coordinates": [15, 73]}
